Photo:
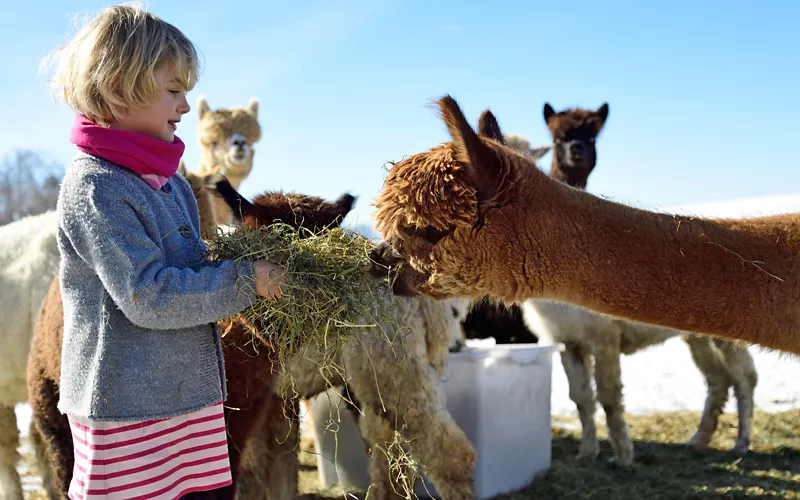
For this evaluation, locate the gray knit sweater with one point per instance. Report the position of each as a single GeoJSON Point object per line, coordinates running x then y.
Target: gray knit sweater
{"type": "Point", "coordinates": [140, 301]}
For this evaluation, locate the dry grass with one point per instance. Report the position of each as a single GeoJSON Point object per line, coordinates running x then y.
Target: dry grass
{"type": "Point", "coordinates": [664, 469]}
{"type": "Point", "coordinates": [328, 293]}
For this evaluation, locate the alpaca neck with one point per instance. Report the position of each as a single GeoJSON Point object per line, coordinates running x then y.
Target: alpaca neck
{"type": "Point", "coordinates": [736, 279]}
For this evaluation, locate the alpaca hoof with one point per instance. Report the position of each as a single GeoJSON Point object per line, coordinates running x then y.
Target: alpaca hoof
{"type": "Point", "coordinates": [741, 449]}
{"type": "Point", "coordinates": [623, 459]}
{"type": "Point", "coordinates": [589, 453]}
{"type": "Point", "coordinates": [698, 442]}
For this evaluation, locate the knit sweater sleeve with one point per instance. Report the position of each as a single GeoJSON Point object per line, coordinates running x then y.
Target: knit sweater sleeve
{"type": "Point", "coordinates": [104, 223]}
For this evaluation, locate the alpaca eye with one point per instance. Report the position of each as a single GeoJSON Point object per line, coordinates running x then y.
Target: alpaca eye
{"type": "Point", "coordinates": [431, 234]}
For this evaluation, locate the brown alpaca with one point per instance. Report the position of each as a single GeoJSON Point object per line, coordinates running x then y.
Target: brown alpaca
{"type": "Point", "coordinates": [205, 202]}
{"type": "Point", "coordinates": [475, 218]}
{"type": "Point", "coordinates": [249, 375]}
{"type": "Point", "coordinates": [574, 133]}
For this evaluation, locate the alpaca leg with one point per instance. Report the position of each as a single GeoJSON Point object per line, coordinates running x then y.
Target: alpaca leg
{"type": "Point", "coordinates": [707, 358]}
{"type": "Point", "coordinates": [54, 434]}
{"type": "Point", "coordinates": [10, 484]}
{"type": "Point", "coordinates": [436, 441]}
{"type": "Point", "coordinates": [42, 462]}
{"type": "Point", "coordinates": [608, 377]}
{"type": "Point", "coordinates": [428, 433]}
{"type": "Point", "coordinates": [742, 370]}
{"type": "Point", "coordinates": [269, 463]}
{"type": "Point", "coordinates": [578, 367]}
{"type": "Point", "coordinates": [240, 425]}
{"type": "Point", "coordinates": [384, 482]}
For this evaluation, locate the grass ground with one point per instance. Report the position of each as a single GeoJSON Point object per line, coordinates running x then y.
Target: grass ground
{"type": "Point", "coordinates": [664, 469]}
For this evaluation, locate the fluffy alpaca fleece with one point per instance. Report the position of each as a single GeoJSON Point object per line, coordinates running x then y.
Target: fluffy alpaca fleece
{"type": "Point", "coordinates": [384, 379]}
{"type": "Point", "coordinates": [473, 217]}
{"type": "Point", "coordinates": [29, 257]}
{"type": "Point", "coordinates": [590, 337]}
{"type": "Point", "coordinates": [226, 138]}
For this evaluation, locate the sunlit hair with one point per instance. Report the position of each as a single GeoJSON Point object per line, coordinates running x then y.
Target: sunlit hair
{"type": "Point", "coordinates": [110, 64]}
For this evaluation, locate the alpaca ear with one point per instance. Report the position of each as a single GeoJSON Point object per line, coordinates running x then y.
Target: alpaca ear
{"type": "Point", "coordinates": [602, 112]}
{"type": "Point", "coordinates": [253, 107]}
{"type": "Point", "coordinates": [202, 107]}
{"type": "Point", "coordinates": [484, 167]}
{"type": "Point", "coordinates": [549, 112]}
{"type": "Point", "coordinates": [345, 203]}
{"type": "Point", "coordinates": [240, 207]}
{"type": "Point", "coordinates": [488, 127]}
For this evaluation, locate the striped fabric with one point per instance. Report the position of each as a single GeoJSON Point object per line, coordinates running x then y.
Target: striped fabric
{"type": "Point", "coordinates": [164, 458]}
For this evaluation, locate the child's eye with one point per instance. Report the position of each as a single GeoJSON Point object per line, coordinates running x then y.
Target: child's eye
{"type": "Point", "coordinates": [175, 92]}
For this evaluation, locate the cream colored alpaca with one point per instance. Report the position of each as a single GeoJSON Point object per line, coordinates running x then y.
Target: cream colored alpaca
{"type": "Point", "coordinates": [396, 385]}
{"type": "Point", "coordinates": [226, 137]}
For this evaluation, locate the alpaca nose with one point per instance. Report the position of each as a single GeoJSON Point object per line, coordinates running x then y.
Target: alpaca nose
{"type": "Point", "coordinates": [576, 150]}
{"type": "Point", "coordinates": [239, 143]}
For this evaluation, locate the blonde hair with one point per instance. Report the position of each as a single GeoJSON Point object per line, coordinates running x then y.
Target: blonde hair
{"type": "Point", "coordinates": [110, 64]}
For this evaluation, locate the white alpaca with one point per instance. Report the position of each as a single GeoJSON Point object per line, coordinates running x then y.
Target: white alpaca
{"type": "Point", "coordinates": [29, 260]}
{"type": "Point", "coordinates": [596, 339]}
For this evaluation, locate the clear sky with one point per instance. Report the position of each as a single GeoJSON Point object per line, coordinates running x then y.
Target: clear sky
{"type": "Point", "coordinates": [704, 96]}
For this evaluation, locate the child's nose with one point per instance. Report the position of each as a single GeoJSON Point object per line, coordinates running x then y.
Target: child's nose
{"type": "Point", "coordinates": [183, 106]}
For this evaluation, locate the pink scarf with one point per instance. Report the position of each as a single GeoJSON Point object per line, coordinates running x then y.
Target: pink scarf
{"type": "Point", "coordinates": [154, 160]}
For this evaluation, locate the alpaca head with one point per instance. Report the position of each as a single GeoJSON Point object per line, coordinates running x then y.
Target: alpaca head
{"type": "Point", "coordinates": [439, 211]}
{"type": "Point", "coordinates": [227, 137]}
{"type": "Point", "coordinates": [574, 133]}
{"type": "Point", "coordinates": [297, 210]}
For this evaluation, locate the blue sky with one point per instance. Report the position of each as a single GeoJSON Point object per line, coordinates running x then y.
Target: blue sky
{"type": "Point", "coordinates": [704, 96]}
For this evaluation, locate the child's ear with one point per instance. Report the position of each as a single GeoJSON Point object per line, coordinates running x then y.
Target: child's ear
{"type": "Point", "coordinates": [202, 107]}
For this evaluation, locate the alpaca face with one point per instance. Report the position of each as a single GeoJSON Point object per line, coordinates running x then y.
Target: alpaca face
{"type": "Point", "coordinates": [441, 210]}
{"type": "Point", "coordinates": [227, 137]}
{"type": "Point", "coordinates": [574, 133]}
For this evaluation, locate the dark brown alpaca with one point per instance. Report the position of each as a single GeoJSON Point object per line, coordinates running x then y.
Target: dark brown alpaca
{"type": "Point", "coordinates": [474, 218]}
{"type": "Point", "coordinates": [574, 133]}
{"type": "Point", "coordinates": [248, 365]}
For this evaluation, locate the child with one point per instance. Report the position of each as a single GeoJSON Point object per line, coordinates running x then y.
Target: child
{"type": "Point", "coordinates": [142, 374]}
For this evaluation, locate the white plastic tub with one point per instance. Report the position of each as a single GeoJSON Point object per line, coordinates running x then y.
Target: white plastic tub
{"type": "Point", "coordinates": [499, 395]}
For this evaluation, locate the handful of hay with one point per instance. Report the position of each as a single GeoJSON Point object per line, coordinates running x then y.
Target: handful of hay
{"type": "Point", "coordinates": [327, 292]}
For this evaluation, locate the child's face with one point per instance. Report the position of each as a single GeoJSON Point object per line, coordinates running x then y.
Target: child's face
{"type": "Point", "coordinates": [159, 119]}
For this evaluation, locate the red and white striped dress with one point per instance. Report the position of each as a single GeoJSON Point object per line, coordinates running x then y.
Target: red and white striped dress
{"type": "Point", "coordinates": [164, 458]}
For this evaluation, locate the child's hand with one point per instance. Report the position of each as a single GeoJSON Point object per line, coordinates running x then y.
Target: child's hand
{"type": "Point", "coordinates": [269, 277]}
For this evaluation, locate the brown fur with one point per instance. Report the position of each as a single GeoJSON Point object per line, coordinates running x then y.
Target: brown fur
{"type": "Point", "coordinates": [574, 128]}
{"type": "Point", "coordinates": [205, 202]}
{"type": "Point", "coordinates": [524, 235]}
